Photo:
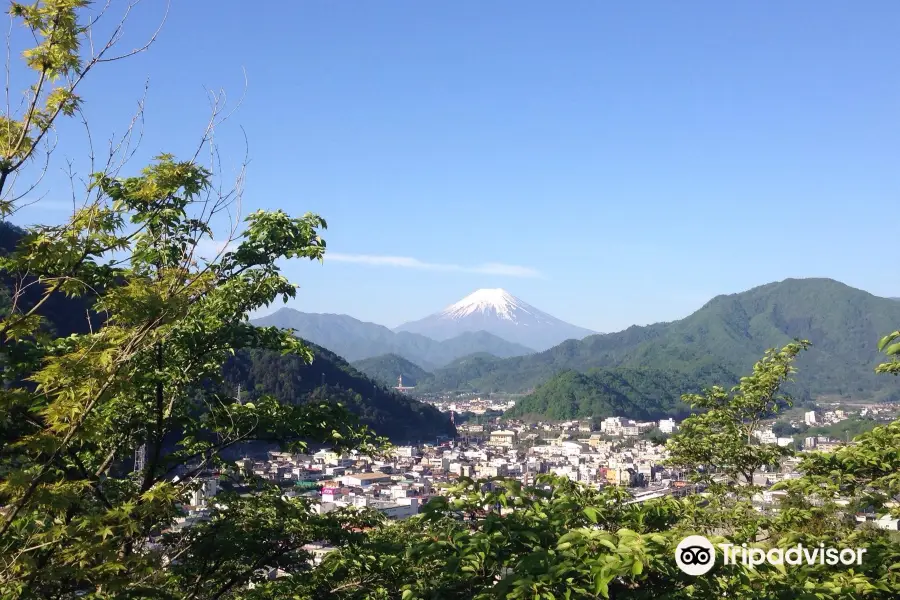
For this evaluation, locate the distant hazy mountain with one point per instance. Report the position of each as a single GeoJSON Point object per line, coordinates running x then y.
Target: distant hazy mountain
{"type": "Point", "coordinates": [500, 313]}
{"type": "Point", "coordinates": [387, 368]}
{"type": "Point", "coordinates": [355, 340]}
{"type": "Point", "coordinates": [730, 332]}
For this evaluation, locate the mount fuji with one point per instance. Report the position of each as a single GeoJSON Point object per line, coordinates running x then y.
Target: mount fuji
{"type": "Point", "coordinates": [500, 313]}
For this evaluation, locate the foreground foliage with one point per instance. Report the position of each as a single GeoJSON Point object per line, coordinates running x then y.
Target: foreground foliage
{"type": "Point", "coordinates": [139, 372]}
{"type": "Point", "coordinates": [77, 408]}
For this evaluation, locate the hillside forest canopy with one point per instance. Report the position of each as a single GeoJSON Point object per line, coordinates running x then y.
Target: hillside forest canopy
{"type": "Point", "coordinates": [147, 368]}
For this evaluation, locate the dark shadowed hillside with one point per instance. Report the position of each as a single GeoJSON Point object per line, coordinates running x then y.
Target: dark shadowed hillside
{"type": "Point", "coordinates": [330, 377]}
{"type": "Point", "coordinates": [63, 315]}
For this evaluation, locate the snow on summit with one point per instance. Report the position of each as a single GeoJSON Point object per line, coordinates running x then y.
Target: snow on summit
{"type": "Point", "coordinates": [495, 300]}
{"type": "Point", "coordinates": [498, 312]}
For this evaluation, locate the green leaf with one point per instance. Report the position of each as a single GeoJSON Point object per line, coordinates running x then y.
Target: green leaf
{"type": "Point", "coordinates": [892, 350]}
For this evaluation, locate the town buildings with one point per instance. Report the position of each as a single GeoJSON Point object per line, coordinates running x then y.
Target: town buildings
{"type": "Point", "coordinates": [621, 453]}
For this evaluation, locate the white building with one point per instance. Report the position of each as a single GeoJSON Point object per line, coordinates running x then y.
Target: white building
{"type": "Point", "coordinates": [318, 551]}
{"type": "Point", "coordinates": [406, 452]}
{"type": "Point", "coordinates": [888, 523]}
{"type": "Point", "coordinates": [766, 436]}
{"type": "Point", "coordinates": [611, 426]}
{"type": "Point", "coordinates": [810, 417]}
{"type": "Point", "coordinates": [667, 426]}
{"type": "Point", "coordinates": [365, 479]}
{"type": "Point", "coordinates": [503, 438]}
{"type": "Point", "coordinates": [208, 489]}
{"type": "Point", "coordinates": [491, 470]}
{"type": "Point", "coordinates": [567, 448]}
{"type": "Point", "coordinates": [400, 508]}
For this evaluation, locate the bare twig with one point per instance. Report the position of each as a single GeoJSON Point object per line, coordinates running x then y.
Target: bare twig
{"type": "Point", "coordinates": [16, 154]}
{"type": "Point", "coordinates": [119, 31]}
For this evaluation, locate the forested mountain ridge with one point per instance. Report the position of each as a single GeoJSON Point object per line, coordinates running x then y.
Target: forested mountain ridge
{"type": "Point", "coordinates": [843, 324]}
{"type": "Point", "coordinates": [388, 367]}
{"type": "Point", "coordinates": [330, 377]}
{"type": "Point", "coordinates": [356, 340]}
{"type": "Point", "coordinates": [641, 394]}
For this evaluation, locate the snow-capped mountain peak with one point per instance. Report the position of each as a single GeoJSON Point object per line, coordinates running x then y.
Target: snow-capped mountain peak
{"type": "Point", "coordinates": [495, 300]}
{"type": "Point", "coordinates": [496, 311]}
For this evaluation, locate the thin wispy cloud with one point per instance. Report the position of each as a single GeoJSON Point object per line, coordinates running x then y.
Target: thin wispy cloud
{"type": "Point", "coordinates": [405, 262]}
{"type": "Point", "coordinates": [208, 249]}
{"type": "Point", "coordinates": [41, 205]}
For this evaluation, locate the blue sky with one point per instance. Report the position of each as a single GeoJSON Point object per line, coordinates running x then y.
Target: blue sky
{"type": "Point", "coordinates": [609, 163]}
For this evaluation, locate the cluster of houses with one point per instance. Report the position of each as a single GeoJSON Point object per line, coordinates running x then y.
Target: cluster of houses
{"type": "Point", "coordinates": [468, 403]}
{"type": "Point", "coordinates": [399, 485]}
{"type": "Point", "coordinates": [613, 451]}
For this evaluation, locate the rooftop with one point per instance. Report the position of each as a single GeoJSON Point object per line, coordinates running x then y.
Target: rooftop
{"type": "Point", "coordinates": [368, 476]}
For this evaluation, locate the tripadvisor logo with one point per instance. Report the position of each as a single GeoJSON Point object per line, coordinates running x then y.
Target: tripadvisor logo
{"type": "Point", "coordinates": [696, 555]}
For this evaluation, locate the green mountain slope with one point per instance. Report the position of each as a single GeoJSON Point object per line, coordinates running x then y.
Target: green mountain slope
{"type": "Point", "coordinates": [357, 340]}
{"type": "Point", "coordinates": [330, 377]}
{"type": "Point", "coordinates": [388, 367]}
{"type": "Point", "coordinates": [640, 394]}
{"type": "Point", "coordinates": [843, 323]}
